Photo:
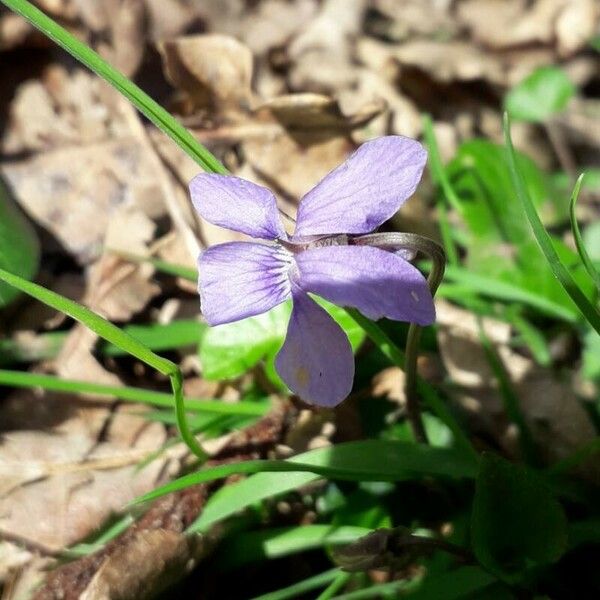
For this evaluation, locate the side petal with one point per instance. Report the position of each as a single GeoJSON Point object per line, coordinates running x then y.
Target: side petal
{"type": "Point", "coordinates": [316, 360]}
{"type": "Point", "coordinates": [365, 191]}
{"type": "Point", "coordinates": [242, 279]}
{"type": "Point", "coordinates": [237, 204]}
{"type": "Point", "coordinates": [377, 283]}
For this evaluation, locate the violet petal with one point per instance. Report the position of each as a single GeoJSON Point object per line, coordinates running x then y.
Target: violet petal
{"type": "Point", "coordinates": [242, 279]}
{"type": "Point", "coordinates": [376, 282]}
{"type": "Point", "coordinates": [365, 191]}
{"type": "Point", "coordinates": [237, 204]}
{"type": "Point", "coordinates": [316, 360]}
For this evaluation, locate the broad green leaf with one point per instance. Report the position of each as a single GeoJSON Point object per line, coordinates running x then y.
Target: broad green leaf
{"type": "Point", "coordinates": [540, 95]}
{"type": "Point", "coordinates": [368, 460]}
{"type": "Point", "coordinates": [229, 350]}
{"type": "Point", "coordinates": [374, 460]}
{"type": "Point", "coordinates": [19, 245]}
{"type": "Point", "coordinates": [516, 523]}
{"type": "Point", "coordinates": [232, 498]}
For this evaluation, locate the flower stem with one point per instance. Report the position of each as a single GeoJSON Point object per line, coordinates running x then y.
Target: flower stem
{"type": "Point", "coordinates": [415, 243]}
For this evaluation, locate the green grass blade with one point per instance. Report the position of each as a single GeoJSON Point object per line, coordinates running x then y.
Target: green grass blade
{"type": "Point", "coordinates": [156, 336]}
{"type": "Point", "coordinates": [275, 543]}
{"type": "Point", "coordinates": [583, 254]}
{"type": "Point", "coordinates": [439, 176]}
{"type": "Point", "coordinates": [111, 333]}
{"type": "Point", "coordinates": [335, 586]}
{"type": "Point", "coordinates": [506, 291]}
{"type": "Point", "coordinates": [302, 587]}
{"type": "Point", "coordinates": [435, 162]}
{"type": "Point", "coordinates": [587, 309]}
{"type": "Point", "coordinates": [129, 394]}
{"type": "Point", "coordinates": [350, 461]}
{"type": "Point", "coordinates": [146, 105]}
{"type": "Point", "coordinates": [378, 591]}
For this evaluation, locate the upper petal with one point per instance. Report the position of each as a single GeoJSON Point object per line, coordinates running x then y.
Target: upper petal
{"type": "Point", "coordinates": [316, 360]}
{"type": "Point", "coordinates": [365, 191]}
{"type": "Point", "coordinates": [237, 204]}
{"type": "Point", "coordinates": [242, 279]}
{"type": "Point", "coordinates": [376, 282]}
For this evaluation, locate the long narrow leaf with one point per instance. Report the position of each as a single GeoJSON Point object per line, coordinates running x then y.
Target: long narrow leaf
{"type": "Point", "coordinates": [111, 333]}
{"type": "Point", "coordinates": [131, 394]}
{"type": "Point", "coordinates": [587, 309]}
{"type": "Point", "coordinates": [368, 460]}
{"type": "Point", "coordinates": [583, 254]}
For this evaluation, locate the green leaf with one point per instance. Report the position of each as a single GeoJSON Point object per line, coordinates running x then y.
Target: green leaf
{"type": "Point", "coordinates": [228, 351]}
{"type": "Point", "coordinates": [131, 394]}
{"type": "Point", "coordinates": [233, 498]}
{"type": "Point", "coordinates": [113, 334]}
{"type": "Point", "coordinates": [579, 243]}
{"type": "Point", "coordinates": [302, 587]}
{"type": "Point", "coordinates": [591, 355]}
{"type": "Point", "coordinates": [19, 246]}
{"type": "Point", "coordinates": [591, 239]}
{"type": "Point", "coordinates": [540, 95]}
{"type": "Point", "coordinates": [516, 522]}
{"type": "Point", "coordinates": [555, 262]}
{"type": "Point", "coordinates": [368, 460]}
{"type": "Point", "coordinates": [481, 180]}
{"type": "Point", "coordinates": [501, 246]}
{"type": "Point", "coordinates": [274, 543]}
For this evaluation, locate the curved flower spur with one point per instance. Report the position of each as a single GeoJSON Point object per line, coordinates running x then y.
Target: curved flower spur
{"type": "Point", "coordinates": [326, 256]}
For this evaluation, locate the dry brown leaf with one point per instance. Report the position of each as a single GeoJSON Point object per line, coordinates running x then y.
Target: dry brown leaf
{"type": "Point", "coordinates": [57, 485]}
{"type": "Point", "coordinates": [274, 22]}
{"type": "Point", "coordinates": [215, 70]}
{"type": "Point", "coordinates": [12, 557]}
{"type": "Point", "coordinates": [14, 31]}
{"type": "Point", "coordinates": [449, 61]}
{"type": "Point", "coordinates": [135, 570]}
{"type": "Point", "coordinates": [507, 23]}
{"type": "Point", "coordinates": [293, 165]}
{"type": "Point", "coordinates": [62, 108]}
{"type": "Point", "coordinates": [76, 192]}
{"type": "Point", "coordinates": [414, 18]}
{"type": "Point", "coordinates": [389, 383]}
{"type": "Point", "coordinates": [321, 54]}
{"type": "Point", "coordinates": [127, 31]}
{"type": "Point", "coordinates": [315, 111]}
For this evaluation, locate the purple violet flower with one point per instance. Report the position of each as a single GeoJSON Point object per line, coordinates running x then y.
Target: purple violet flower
{"type": "Point", "coordinates": [242, 279]}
